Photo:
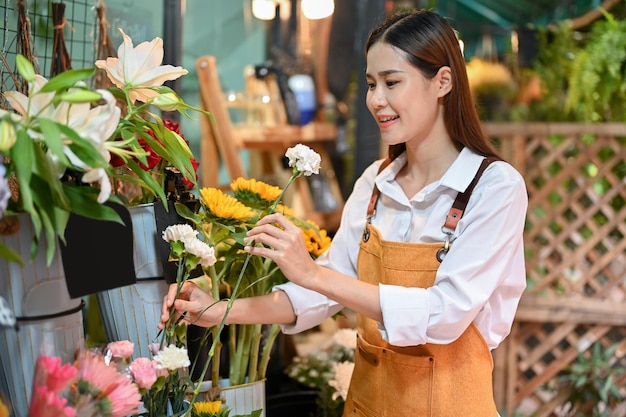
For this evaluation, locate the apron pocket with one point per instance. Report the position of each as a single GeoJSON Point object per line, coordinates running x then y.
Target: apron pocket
{"type": "Point", "coordinates": [390, 384]}
{"type": "Point", "coordinates": [408, 384]}
{"type": "Point", "coordinates": [365, 385]}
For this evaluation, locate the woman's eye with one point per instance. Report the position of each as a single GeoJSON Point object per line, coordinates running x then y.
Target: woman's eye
{"type": "Point", "coordinates": [391, 83]}
{"type": "Point", "coordinates": [371, 86]}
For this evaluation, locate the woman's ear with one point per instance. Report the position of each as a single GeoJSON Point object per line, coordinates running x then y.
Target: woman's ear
{"type": "Point", "coordinates": [444, 80]}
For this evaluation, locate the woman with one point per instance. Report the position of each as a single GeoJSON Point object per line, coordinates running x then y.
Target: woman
{"type": "Point", "coordinates": [438, 257]}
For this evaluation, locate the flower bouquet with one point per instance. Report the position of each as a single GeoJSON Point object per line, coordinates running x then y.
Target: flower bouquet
{"type": "Point", "coordinates": [222, 222]}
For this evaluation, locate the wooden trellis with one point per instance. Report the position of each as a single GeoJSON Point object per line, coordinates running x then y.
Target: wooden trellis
{"type": "Point", "coordinates": [575, 242]}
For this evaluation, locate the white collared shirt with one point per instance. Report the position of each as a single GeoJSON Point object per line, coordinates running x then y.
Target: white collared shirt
{"type": "Point", "coordinates": [481, 278]}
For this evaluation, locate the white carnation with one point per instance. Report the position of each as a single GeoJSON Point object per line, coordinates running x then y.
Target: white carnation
{"type": "Point", "coordinates": [172, 358]}
{"type": "Point", "coordinates": [305, 159]}
{"type": "Point", "coordinates": [200, 249]}
{"type": "Point", "coordinates": [178, 232]}
{"type": "Point", "coordinates": [341, 383]}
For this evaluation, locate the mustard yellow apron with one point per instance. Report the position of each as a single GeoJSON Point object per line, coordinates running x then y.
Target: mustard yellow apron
{"type": "Point", "coordinates": [452, 380]}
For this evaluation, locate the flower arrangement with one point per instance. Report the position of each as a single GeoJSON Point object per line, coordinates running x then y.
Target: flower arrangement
{"type": "Point", "coordinates": [68, 148]}
{"type": "Point", "coordinates": [106, 383]}
{"type": "Point", "coordinates": [329, 371]}
{"type": "Point", "coordinates": [222, 222]}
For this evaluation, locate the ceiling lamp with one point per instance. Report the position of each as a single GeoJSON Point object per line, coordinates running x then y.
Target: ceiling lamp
{"type": "Point", "coordinates": [264, 9]}
{"type": "Point", "coordinates": [317, 9]}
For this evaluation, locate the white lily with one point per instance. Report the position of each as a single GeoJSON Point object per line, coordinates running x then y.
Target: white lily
{"type": "Point", "coordinates": [39, 102]}
{"type": "Point", "coordinates": [139, 67]}
{"type": "Point", "coordinates": [95, 124]}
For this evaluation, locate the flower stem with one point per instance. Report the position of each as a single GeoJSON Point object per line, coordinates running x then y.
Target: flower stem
{"type": "Point", "coordinates": [267, 349]}
{"type": "Point", "coordinates": [282, 193]}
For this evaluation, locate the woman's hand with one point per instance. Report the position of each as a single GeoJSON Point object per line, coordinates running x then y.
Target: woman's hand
{"type": "Point", "coordinates": [196, 306]}
{"type": "Point", "coordinates": [285, 246]}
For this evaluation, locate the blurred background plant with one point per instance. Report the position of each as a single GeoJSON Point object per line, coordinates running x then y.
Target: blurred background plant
{"type": "Point", "coordinates": [328, 371]}
{"type": "Point", "coordinates": [591, 383]}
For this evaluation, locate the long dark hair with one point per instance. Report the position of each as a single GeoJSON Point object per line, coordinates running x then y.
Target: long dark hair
{"type": "Point", "coordinates": [431, 43]}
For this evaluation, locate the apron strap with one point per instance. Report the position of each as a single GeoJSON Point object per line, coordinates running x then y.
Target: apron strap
{"type": "Point", "coordinates": [460, 203]}
{"type": "Point", "coordinates": [371, 207]}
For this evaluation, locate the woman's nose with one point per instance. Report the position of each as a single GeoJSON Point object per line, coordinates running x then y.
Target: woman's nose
{"type": "Point", "coordinates": [377, 99]}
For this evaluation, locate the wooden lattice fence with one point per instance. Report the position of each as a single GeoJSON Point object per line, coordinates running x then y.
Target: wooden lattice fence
{"type": "Point", "coordinates": [575, 258]}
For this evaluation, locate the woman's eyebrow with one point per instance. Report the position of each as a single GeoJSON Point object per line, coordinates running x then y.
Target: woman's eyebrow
{"type": "Point", "coordinates": [385, 72]}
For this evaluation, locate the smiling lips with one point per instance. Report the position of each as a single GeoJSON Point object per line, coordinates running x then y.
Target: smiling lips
{"type": "Point", "coordinates": [385, 121]}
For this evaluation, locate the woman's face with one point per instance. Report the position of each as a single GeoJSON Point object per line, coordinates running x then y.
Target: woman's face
{"type": "Point", "coordinates": [403, 102]}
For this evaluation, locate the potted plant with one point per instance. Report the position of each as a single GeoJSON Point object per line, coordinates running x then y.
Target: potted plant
{"type": "Point", "coordinates": [57, 149]}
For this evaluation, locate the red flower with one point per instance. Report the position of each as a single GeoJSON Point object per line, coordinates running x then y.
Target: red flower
{"type": "Point", "coordinates": [189, 184]}
{"type": "Point", "coordinates": [152, 159]}
{"type": "Point", "coordinates": [173, 126]}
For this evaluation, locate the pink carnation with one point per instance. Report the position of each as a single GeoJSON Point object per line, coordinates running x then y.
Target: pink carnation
{"type": "Point", "coordinates": [50, 373]}
{"type": "Point", "coordinates": [143, 372]}
{"type": "Point", "coordinates": [46, 403]}
{"type": "Point", "coordinates": [122, 349]}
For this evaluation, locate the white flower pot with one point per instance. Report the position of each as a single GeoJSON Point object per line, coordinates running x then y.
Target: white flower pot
{"type": "Point", "coordinates": [49, 321]}
{"type": "Point", "coordinates": [241, 399]}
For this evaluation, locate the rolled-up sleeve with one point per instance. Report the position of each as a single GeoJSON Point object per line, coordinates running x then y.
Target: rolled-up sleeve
{"type": "Point", "coordinates": [310, 307]}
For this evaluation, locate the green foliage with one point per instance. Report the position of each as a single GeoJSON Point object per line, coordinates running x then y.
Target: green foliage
{"type": "Point", "coordinates": [582, 73]}
{"type": "Point", "coordinates": [597, 91]}
{"type": "Point", "coordinates": [593, 379]}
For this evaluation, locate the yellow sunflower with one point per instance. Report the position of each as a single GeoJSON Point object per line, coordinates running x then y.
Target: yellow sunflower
{"type": "Point", "coordinates": [207, 408]}
{"type": "Point", "coordinates": [255, 193]}
{"type": "Point", "coordinates": [316, 239]}
{"type": "Point", "coordinates": [225, 207]}
{"type": "Point", "coordinates": [285, 211]}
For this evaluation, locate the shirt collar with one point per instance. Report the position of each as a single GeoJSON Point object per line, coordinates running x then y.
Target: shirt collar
{"type": "Point", "coordinates": [457, 177]}
{"type": "Point", "coordinates": [462, 170]}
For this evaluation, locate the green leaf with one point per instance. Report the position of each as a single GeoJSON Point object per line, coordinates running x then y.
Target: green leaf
{"type": "Point", "coordinates": [22, 155]}
{"type": "Point", "coordinates": [84, 203]}
{"type": "Point", "coordinates": [52, 139]}
{"type": "Point", "coordinates": [67, 79]}
{"type": "Point", "coordinates": [186, 213]}
{"type": "Point", "coordinates": [152, 185]}
{"type": "Point", "coordinates": [10, 255]}
{"type": "Point", "coordinates": [25, 68]}
{"type": "Point", "coordinates": [45, 182]}
{"type": "Point", "coordinates": [80, 96]}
